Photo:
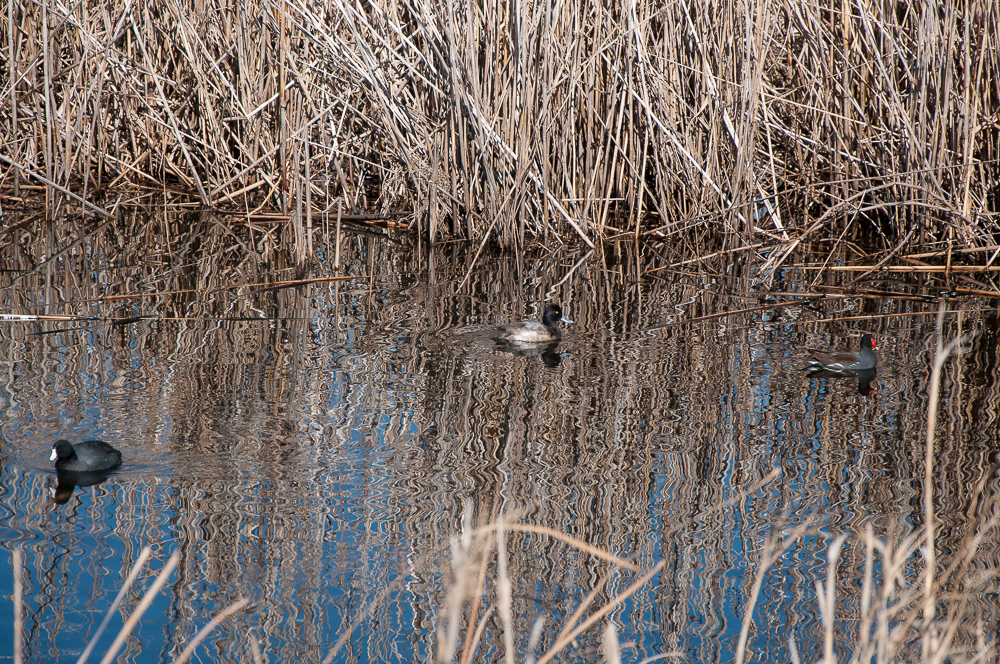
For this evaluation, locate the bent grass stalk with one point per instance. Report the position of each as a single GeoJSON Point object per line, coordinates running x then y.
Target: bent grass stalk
{"type": "Point", "coordinates": [207, 629]}
{"type": "Point", "coordinates": [147, 599]}
{"type": "Point", "coordinates": [129, 580]}
{"type": "Point", "coordinates": [133, 619]}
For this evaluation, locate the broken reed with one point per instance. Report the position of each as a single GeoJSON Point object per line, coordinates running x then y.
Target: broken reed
{"type": "Point", "coordinates": [756, 122]}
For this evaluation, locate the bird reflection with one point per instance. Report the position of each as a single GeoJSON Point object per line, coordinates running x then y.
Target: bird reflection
{"type": "Point", "coordinates": [548, 353]}
{"type": "Point", "coordinates": [863, 376]}
{"type": "Point", "coordinates": [67, 483]}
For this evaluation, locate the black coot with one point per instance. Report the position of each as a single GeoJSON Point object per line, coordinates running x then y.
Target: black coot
{"type": "Point", "coordinates": [91, 456]}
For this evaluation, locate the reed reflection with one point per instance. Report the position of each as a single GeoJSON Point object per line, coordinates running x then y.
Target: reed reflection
{"type": "Point", "coordinates": [319, 443]}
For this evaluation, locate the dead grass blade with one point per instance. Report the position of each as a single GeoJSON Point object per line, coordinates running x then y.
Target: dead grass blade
{"type": "Point", "coordinates": [569, 539]}
{"type": "Point", "coordinates": [772, 551]}
{"type": "Point", "coordinates": [147, 599]}
{"type": "Point", "coordinates": [129, 580]}
{"type": "Point", "coordinates": [597, 615]}
{"type": "Point", "coordinates": [17, 565]}
{"type": "Point", "coordinates": [203, 633]}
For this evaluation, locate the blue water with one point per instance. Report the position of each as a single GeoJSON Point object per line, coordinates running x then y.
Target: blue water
{"type": "Point", "coordinates": [319, 464]}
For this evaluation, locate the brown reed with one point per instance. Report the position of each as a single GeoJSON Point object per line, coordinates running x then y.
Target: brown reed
{"type": "Point", "coordinates": [723, 126]}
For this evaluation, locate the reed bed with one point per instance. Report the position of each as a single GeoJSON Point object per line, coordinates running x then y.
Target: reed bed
{"type": "Point", "coordinates": [727, 124]}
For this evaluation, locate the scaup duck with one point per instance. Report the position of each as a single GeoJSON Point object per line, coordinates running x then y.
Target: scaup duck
{"type": "Point", "coordinates": [533, 332]}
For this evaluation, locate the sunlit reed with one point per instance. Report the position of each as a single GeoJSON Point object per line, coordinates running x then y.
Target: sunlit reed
{"type": "Point", "coordinates": [772, 123]}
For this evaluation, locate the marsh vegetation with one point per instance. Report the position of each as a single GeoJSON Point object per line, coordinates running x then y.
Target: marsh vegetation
{"type": "Point", "coordinates": [252, 244]}
{"type": "Point", "coordinates": [866, 128]}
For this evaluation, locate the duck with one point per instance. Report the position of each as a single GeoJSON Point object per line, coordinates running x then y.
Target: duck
{"type": "Point", "coordinates": [533, 332]}
{"type": "Point", "coordinates": [844, 362]}
{"type": "Point", "coordinates": [90, 456]}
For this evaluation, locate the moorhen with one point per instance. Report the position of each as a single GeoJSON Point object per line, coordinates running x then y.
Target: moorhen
{"type": "Point", "coordinates": [844, 362]}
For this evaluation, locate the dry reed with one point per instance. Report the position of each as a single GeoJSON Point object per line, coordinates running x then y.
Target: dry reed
{"type": "Point", "coordinates": [779, 123]}
{"type": "Point", "coordinates": [17, 566]}
{"type": "Point", "coordinates": [147, 598]}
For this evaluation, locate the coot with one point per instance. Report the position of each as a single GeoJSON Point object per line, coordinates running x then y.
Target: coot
{"type": "Point", "coordinates": [90, 456]}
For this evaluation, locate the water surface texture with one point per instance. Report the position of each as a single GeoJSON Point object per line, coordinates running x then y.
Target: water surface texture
{"type": "Point", "coordinates": [312, 448]}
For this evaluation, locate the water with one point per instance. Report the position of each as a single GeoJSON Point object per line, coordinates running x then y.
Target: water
{"type": "Point", "coordinates": [313, 449]}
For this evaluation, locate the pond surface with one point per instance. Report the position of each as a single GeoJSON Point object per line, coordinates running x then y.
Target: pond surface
{"type": "Point", "coordinates": [312, 449]}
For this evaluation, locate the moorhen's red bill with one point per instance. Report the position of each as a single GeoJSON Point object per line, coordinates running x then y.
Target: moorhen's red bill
{"type": "Point", "coordinates": [844, 362]}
